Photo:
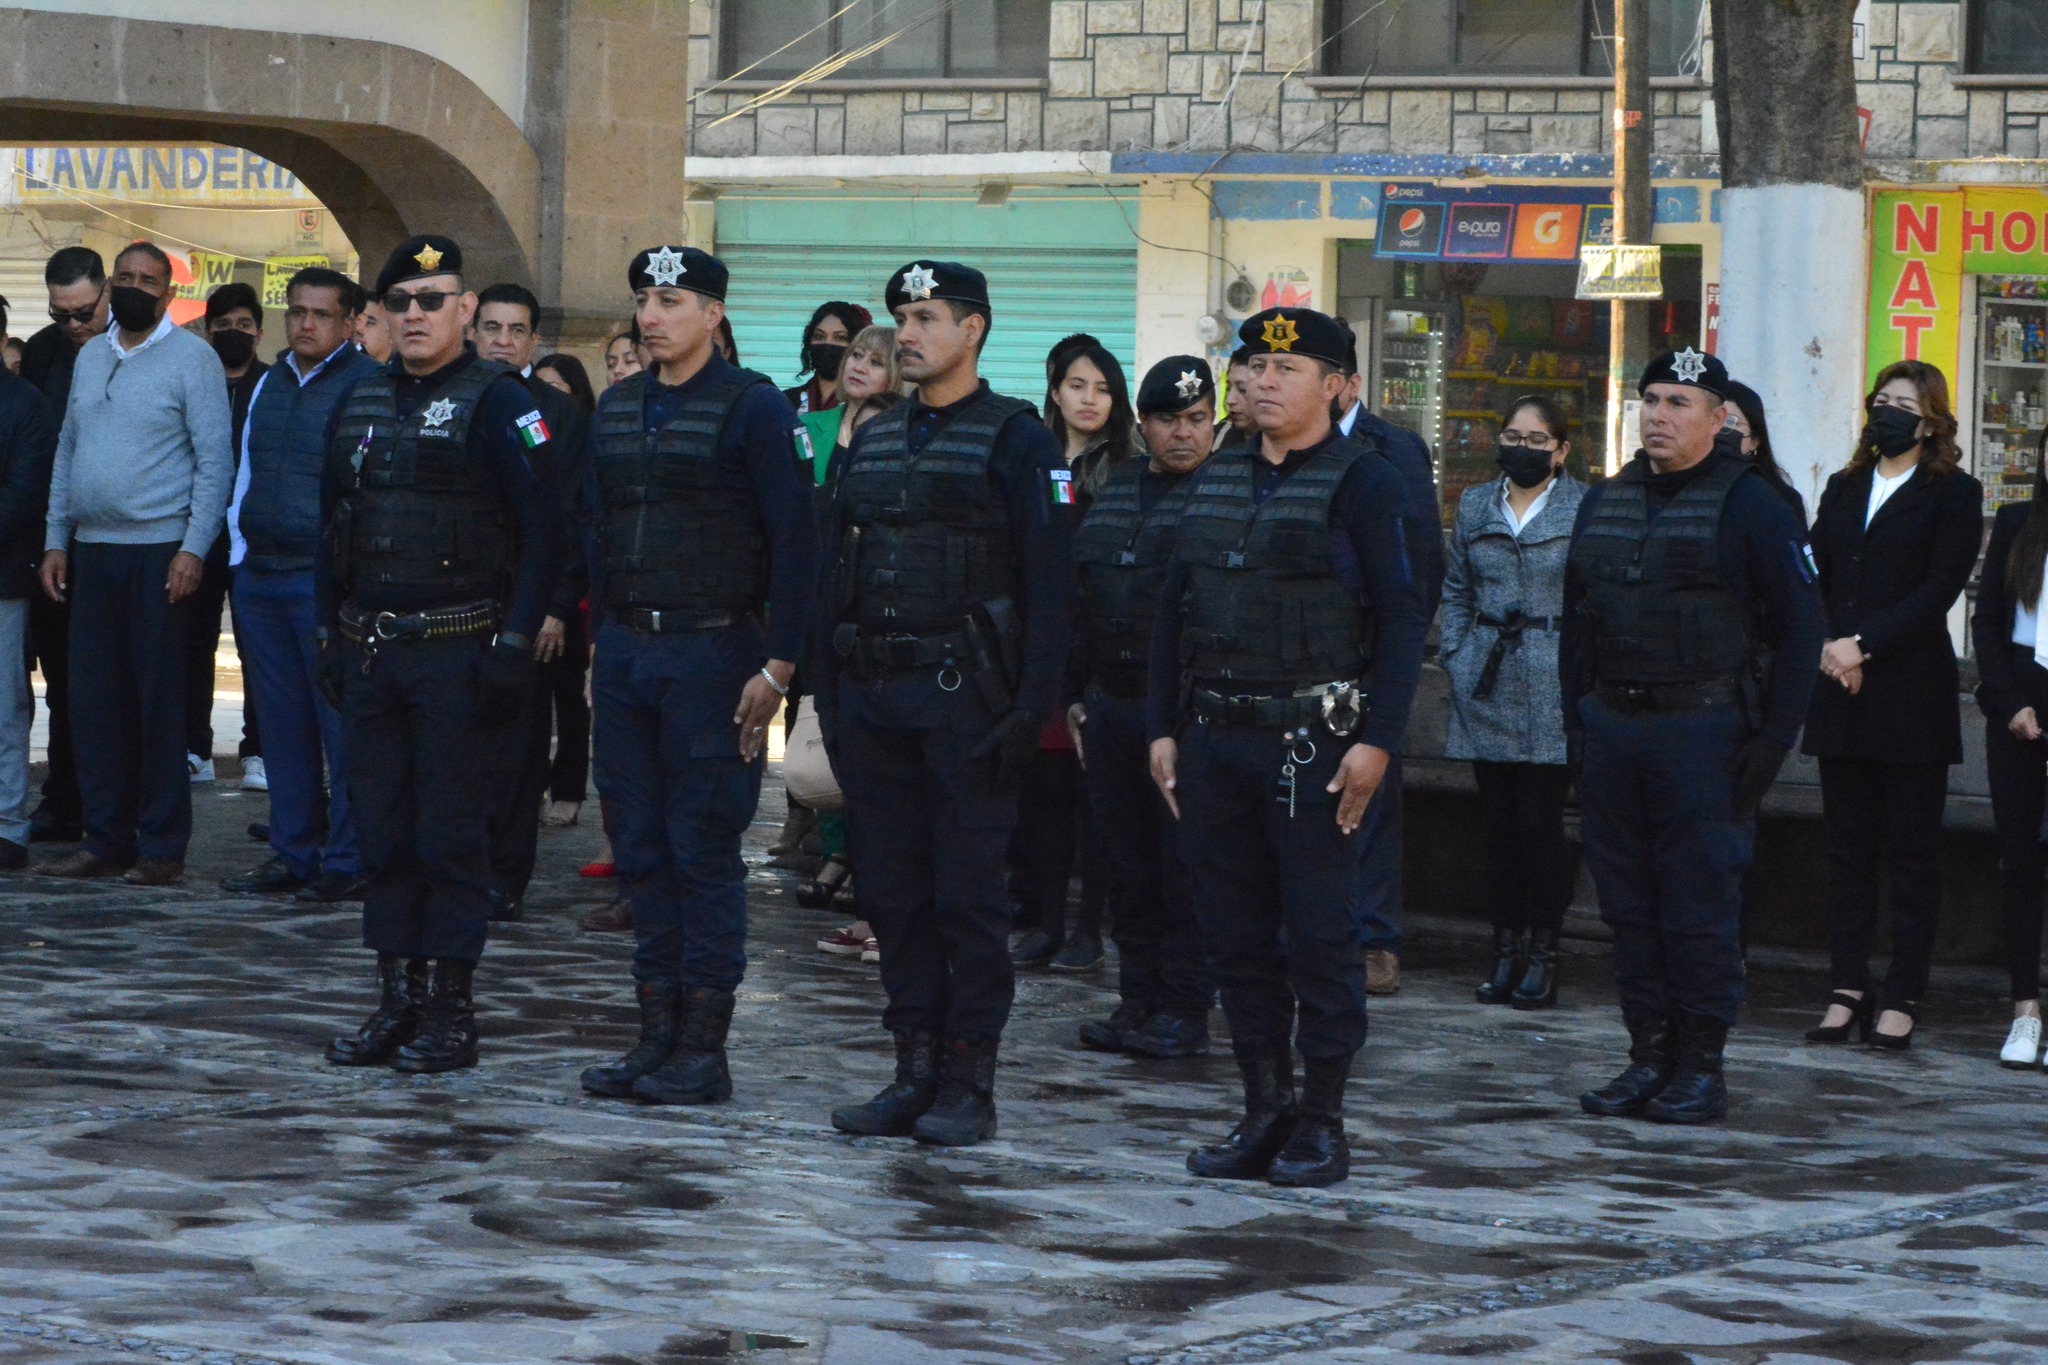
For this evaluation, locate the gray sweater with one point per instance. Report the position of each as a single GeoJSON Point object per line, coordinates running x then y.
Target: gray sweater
{"type": "Point", "coordinates": [144, 458]}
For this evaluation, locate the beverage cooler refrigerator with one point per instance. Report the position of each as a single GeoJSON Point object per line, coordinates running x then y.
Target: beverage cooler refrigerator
{"type": "Point", "coordinates": [1408, 379]}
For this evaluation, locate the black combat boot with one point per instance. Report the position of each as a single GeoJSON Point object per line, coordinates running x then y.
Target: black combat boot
{"type": "Point", "coordinates": [447, 1037]}
{"type": "Point", "coordinates": [1317, 1154]}
{"type": "Point", "coordinates": [1652, 1053]}
{"type": "Point", "coordinates": [1107, 1035]}
{"type": "Point", "coordinates": [1510, 958]}
{"type": "Point", "coordinates": [660, 1006]}
{"type": "Point", "coordinates": [1537, 989]}
{"type": "Point", "coordinates": [1168, 1035]}
{"type": "Point", "coordinates": [1269, 1116]}
{"type": "Point", "coordinates": [696, 1074]}
{"type": "Point", "coordinates": [395, 1020]}
{"type": "Point", "coordinates": [899, 1106]}
{"type": "Point", "coordinates": [965, 1111]}
{"type": "Point", "coordinates": [1695, 1093]}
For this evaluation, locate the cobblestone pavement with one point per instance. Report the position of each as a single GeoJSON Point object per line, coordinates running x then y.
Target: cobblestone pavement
{"type": "Point", "coordinates": [184, 1180]}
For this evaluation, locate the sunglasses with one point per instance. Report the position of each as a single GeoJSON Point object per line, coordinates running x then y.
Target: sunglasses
{"type": "Point", "coordinates": [398, 304]}
{"type": "Point", "coordinates": [78, 317]}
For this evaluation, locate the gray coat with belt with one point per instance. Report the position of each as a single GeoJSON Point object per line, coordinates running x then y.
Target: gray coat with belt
{"type": "Point", "coordinates": [1503, 595]}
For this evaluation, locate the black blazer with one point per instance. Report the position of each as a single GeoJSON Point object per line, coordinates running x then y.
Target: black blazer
{"type": "Point", "coordinates": [2001, 693]}
{"type": "Point", "coordinates": [1893, 585]}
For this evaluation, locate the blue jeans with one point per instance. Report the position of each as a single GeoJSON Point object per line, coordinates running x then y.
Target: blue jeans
{"type": "Point", "coordinates": [680, 795]}
{"type": "Point", "coordinates": [280, 667]}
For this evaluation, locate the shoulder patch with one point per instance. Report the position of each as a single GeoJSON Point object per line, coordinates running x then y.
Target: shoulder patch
{"type": "Point", "coordinates": [533, 430]}
{"type": "Point", "coordinates": [804, 450]}
{"type": "Point", "coordinates": [1062, 486]}
{"type": "Point", "coordinates": [1808, 569]}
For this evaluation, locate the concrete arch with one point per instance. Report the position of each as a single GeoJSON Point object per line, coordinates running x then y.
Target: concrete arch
{"type": "Point", "coordinates": [391, 140]}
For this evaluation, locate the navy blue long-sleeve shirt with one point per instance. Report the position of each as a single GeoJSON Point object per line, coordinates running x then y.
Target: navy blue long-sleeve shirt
{"type": "Point", "coordinates": [1409, 455]}
{"type": "Point", "coordinates": [495, 443]}
{"type": "Point", "coordinates": [1021, 468]}
{"type": "Point", "coordinates": [1369, 517]}
{"type": "Point", "coordinates": [1763, 559]}
{"type": "Point", "coordinates": [761, 436]}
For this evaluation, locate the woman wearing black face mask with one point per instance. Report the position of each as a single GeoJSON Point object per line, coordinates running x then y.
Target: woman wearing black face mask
{"type": "Point", "coordinates": [1893, 544]}
{"type": "Point", "coordinates": [830, 331]}
{"type": "Point", "coordinates": [1503, 599]}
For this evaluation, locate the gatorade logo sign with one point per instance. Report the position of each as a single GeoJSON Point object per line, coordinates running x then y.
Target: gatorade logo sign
{"type": "Point", "coordinates": [1412, 230]}
{"type": "Point", "coordinates": [1480, 232]}
{"type": "Point", "coordinates": [1548, 232]}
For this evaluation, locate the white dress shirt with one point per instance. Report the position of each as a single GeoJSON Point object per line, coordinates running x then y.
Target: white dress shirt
{"type": "Point", "coordinates": [1507, 508]}
{"type": "Point", "coordinates": [1881, 490]}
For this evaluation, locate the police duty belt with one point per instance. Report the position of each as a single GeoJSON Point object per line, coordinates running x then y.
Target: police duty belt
{"type": "Point", "coordinates": [1636, 698]}
{"type": "Point", "coordinates": [371, 629]}
{"type": "Point", "coordinates": [1340, 707]}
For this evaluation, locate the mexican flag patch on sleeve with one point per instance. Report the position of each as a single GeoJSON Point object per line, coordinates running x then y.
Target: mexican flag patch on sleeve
{"type": "Point", "coordinates": [1063, 486]}
{"type": "Point", "coordinates": [533, 430]}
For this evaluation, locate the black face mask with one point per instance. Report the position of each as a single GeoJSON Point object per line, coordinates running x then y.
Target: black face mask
{"type": "Point", "coordinates": [134, 309]}
{"type": "Point", "coordinates": [234, 348]}
{"type": "Point", "coordinates": [1524, 467]}
{"type": "Point", "coordinates": [826, 360]}
{"type": "Point", "coordinates": [1891, 431]}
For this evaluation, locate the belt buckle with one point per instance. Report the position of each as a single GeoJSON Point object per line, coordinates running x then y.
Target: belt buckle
{"type": "Point", "coordinates": [1241, 710]}
{"type": "Point", "coordinates": [653, 619]}
{"type": "Point", "coordinates": [899, 651]}
{"type": "Point", "coordinates": [1634, 696]}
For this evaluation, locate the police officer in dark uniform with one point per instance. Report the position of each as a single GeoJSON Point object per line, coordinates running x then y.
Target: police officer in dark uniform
{"type": "Point", "coordinates": [1692, 638]}
{"type": "Point", "coordinates": [1121, 553]}
{"type": "Point", "coordinates": [441, 546]}
{"type": "Point", "coordinates": [944, 641]}
{"type": "Point", "coordinates": [1285, 659]}
{"type": "Point", "coordinates": [701, 519]}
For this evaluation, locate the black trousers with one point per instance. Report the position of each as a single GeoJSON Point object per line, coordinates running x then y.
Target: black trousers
{"type": "Point", "coordinates": [518, 774]}
{"type": "Point", "coordinates": [205, 610]}
{"type": "Point", "coordinates": [1531, 867]}
{"type": "Point", "coordinates": [1888, 812]}
{"type": "Point", "coordinates": [49, 643]}
{"type": "Point", "coordinates": [1055, 828]}
{"type": "Point", "coordinates": [2019, 797]}
{"type": "Point", "coordinates": [569, 773]}
{"type": "Point", "coordinates": [416, 750]}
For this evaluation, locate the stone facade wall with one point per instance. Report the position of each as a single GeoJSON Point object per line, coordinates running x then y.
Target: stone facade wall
{"type": "Point", "coordinates": [1918, 112]}
{"type": "Point", "coordinates": [1169, 75]}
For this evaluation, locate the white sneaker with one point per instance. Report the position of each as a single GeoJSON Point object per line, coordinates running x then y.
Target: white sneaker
{"type": "Point", "coordinates": [254, 779]}
{"type": "Point", "coordinates": [2023, 1045]}
{"type": "Point", "coordinates": [201, 769]}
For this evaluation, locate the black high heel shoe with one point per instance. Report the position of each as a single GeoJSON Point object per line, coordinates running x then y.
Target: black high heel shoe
{"type": "Point", "coordinates": [1862, 1014]}
{"type": "Point", "coordinates": [1510, 960]}
{"type": "Point", "coordinates": [818, 894]}
{"type": "Point", "coordinates": [1897, 1042]}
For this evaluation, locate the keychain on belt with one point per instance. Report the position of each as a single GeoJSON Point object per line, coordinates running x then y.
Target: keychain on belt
{"type": "Point", "coordinates": [1292, 761]}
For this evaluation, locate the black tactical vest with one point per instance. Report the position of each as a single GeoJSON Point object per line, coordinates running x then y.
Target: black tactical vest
{"type": "Point", "coordinates": [1655, 605]}
{"type": "Point", "coordinates": [1264, 605]}
{"type": "Point", "coordinates": [424, 519]}
{"type": "Point", "coordinates": [925, 538]}
{"type": "Point", "coordinates": [681, 529]}
{"type": "Point", "coordinates": [1120, 556]}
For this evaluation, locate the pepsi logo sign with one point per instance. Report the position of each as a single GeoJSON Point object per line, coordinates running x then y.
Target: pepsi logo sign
{"type": "Point", "coordinates": [1411, 223]}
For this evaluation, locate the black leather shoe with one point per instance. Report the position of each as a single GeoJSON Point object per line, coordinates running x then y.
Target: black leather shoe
{"type": "Point", "coordinates": [1080, 953]}
{"type": "Point", "coordinates": [1167, 1035]}
{"type": "Point", "coordinates": [1107, 1035]}
{"type": "Point", "coordinates": [965, 1111]}
{"type": "Point", "coordinates": [260, 832]}
{"type": "Point", "coordinates": [506, 908]}
{"type": "Point", "coordinates": [1510, 958]}
{"type": "Point", "coordinates": [1269, 1117]}
{"type": "Point", "coordinates": [1695, 1093]}
{"type": "Point", "coordinates": [331, 887]}
{"type": "Point", "coordinates": [396, 1019]}
{"type": "Point", "coordinates": [447, 1037]}
{"type": "Point", "coordinates": [1537, 990]}
{"type": "Point", "coordinates": [696, 1073]}
{"type": "Point", "coordinates": [266, 879]}
{"type": "Point", "coordinates": [1317, 1153]}
{"type": "Point", "coordinates": [1034, 949]}
{"type": "Point", "coordinates": [49, 826]}
{"type": "Point", "coordinates": [896, 1110]}
{"type": "Point", "coordinates": [1652, 1055]}
{"type": "Point", "coordinates": [13, 856]}
{"type": "Point", "coordinates": [660, 1004]}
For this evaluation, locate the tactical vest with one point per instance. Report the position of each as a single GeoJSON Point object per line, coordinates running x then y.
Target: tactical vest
{"type": "Point", "coordinates": [424, 519]}
{"type": "Point", "coordinates": [1655, 603]}
{"type": "Point", "coordinates": [681, 531]}
{"type": "Point", "coordinates": [280, 518]}
{"type": "Point", "coordinates": [926, 538]}
{"type": "Point", "coordinates": [1264, 605]}
{"type": "Point", "coordinates": [1120, 556]}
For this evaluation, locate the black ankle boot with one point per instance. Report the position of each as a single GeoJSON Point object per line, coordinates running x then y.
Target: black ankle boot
{"type": "Point", "coordinates": [899, 1106]}
{"type": "Point", "coordinates": [395, 1020]}
{"type": "Point", "coordinates": [1317, 1154]}
{"type": "Point", "coordinates": [447, 1037]}
{"type": "Point", "coordinates": [1652, 1053]}
{"type": "Point", "coordinates": [697, 1073]}
{"type": "Point", "coordinates": [660, 1007]}
{"type": "Point", "coordinates": [1269, 1117]}
{"type": "Point", "coordinates": [965, 1111]}
{"type": "Point", "coordinates": [1107, 1035]}
{"type": "Point", "coordinates": [1510, 956]}
{"type": "Point", "coordinates": [1537, 989]}
{"type": "Point", "coordinates": [1696, 1093]}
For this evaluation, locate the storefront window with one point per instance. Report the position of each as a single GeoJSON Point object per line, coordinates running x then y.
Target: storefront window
{"type": "Point", "coordinates": [2012, 384]}
{"type": "Point", "coordinates": [961, 38]}
{"type": "Point", "coordinates": [1501, 37]}
{"type": "Point", "coordinates": [2009, 37]}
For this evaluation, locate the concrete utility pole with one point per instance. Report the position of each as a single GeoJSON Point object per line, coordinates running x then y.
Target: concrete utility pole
{"type": "Point", "coordinates": [1628, 349]}
{"type": "Point", "coordinates": [1792, 224]}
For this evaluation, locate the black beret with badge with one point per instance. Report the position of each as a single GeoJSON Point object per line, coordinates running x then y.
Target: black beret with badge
{"type": "Point", "coordinates": [1176, 383]}
{"type": "Point", "coordinates": [678, 267]}
{"type": "Point", "coordinates": [948, 280]}
{"type": "Point", "coordinates": [1688, 367]}
{"type": "Point", "coordinates": [1297, 331]}
{"type": "Point", "coordinates": [418, 257]}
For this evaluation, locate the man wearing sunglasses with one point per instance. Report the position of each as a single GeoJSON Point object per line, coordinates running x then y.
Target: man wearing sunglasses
{"type": "Point", "coordinates": [431, 581]}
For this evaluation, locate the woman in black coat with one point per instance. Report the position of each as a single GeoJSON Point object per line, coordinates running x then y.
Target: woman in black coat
{"type": "Point", "coordinates": [2013, 693]}
{"type": "Point", "coordinates": [1894, 543]}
